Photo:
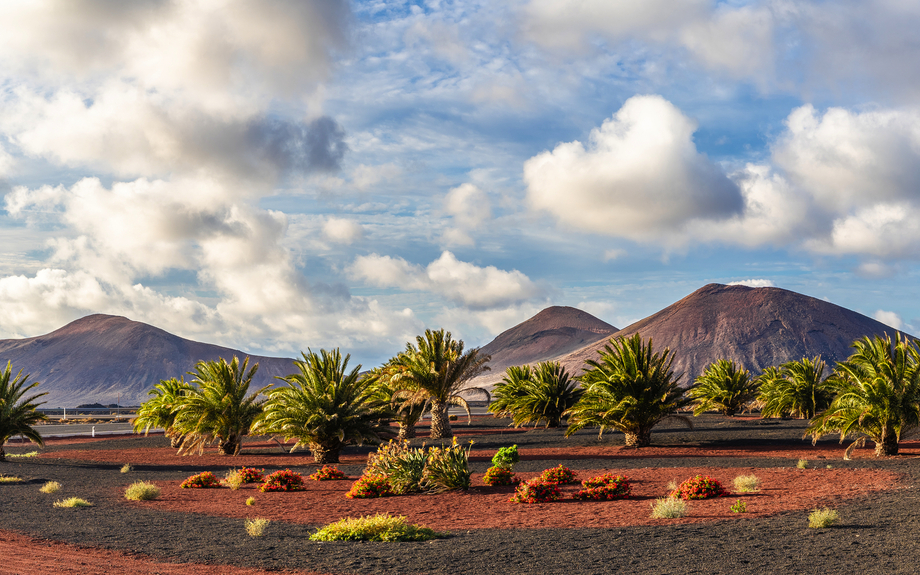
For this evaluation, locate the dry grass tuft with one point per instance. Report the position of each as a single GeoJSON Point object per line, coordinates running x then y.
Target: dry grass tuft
{"type": "Point", "coordinates": [10, 479]}
{"type": "Point", "coordinates": [669, 508]}
{"type": "Point", "coordinates": [251, 501]}
{"type": "Point", "coordinates": [821, 518]}
{"type": "Point", "coordinates": [256, 527]}
{"type": "Point", "coordinates": [73, 502]}
{"type": "Point", "coordinates": [50, 487]}
{"type": "Point", "coordinates": [126, 468]}
{"type": "Point", "coordinates": [747, 483]}
{"type": "Point", "coordinates": [142, 491]}
{"type": "Point", "coordinates": [802, 464]}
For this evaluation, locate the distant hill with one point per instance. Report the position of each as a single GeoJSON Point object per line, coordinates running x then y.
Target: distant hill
{"type": "Point", "coordinates": [552, 333]}
{"type": "Point", "coordinates": [756, 327]}
{"type": "Point", "coordinates": [108, 359]}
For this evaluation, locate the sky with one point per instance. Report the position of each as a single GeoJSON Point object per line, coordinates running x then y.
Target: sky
{"type": "Point", "coordinates": [278, 175]}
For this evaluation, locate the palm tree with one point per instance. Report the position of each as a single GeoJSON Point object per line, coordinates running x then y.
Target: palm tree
{"type": "Point", "coordinates": [217, 409]}
{"type": "Point", "coordinates": [324, 407]}
{"type": "Point", "coordinates": [17, 413]}
{"type": "Point", "coordinates": [435, 372]}
{"type": "Point", "coordinates": [160, 410]}
{"type": "Point", "coordinates": [795, 389]}
{"type": "Point", "coordinates": [630, 389]}
{"type": "Point", "coordinates": [878, 395]}
{"type": "Point", "coordinates": [725, 387]}
{"type": "Point", "coordinates": [406, 414]}
{"type": "Point", "coordinates": [531, 395]}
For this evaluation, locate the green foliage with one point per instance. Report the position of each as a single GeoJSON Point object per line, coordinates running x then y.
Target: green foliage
{"type": "Point", "coordinates": [605, 487]}
{"type": "Point", "coordinates": [559, 474]}
{"type": "Point", "coordinates": [536, 490]}
{"type": "Point", "coordinates": [17, 412]}
{"type": "Point", "coordinates": [739, 507]}
{"type": "Point", "coordinates": [256, 527]}
{"type": "Point", "coordinates": [433, 373]}
{"type": "Point", "coordinates": [534, 395]}
{"type": "Point", "coordinates": [447, 468]}
{"type": "Point", "coordinates": [73, 502]}
{"type": "Point", "coordinates": [795, 389]}
{"type": "Point", "coordinates": [725, 387]}
{"type": "Point", "coordinates": [203, 480]}
{"type": "Point", "coordinates": [821, 518]}
{"type": "Point", "coordinates": [699, 487]}
{"type": "Point", "coordinates": [50, 487]}
{"type": "Point", "coordinates": [878, 395]}
{"type": "Point", "coordinates": [401, 464]}
{"type": "Point", "coordinates": [506, 457]}
{"type": "Point", "coordinates": [161, 409]}
{"type": "Point", "coordinates": [324, 406]}
{"type": "Point", "coordinates": [219, 408]}
{"type": "Point", "coordinates": [370, 487]}
{"type": "Point", "coordinates": [630, 389]}
{"type": "Point", "coordinates": [499, 476]}
{"type": "Point", "coordinates": [380, 527]}
{"type": "Point", "coordinates": [669, 508]}
{"type": "Point", "coordinates": [747, 483]}
{"type": "Point", "coordinates": [284, 480]}
{"type": "Point", "coordinates": [142, 491]}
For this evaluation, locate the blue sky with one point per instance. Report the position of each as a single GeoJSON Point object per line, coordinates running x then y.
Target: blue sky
{"type": "Point", "coordinates": [280, 175]}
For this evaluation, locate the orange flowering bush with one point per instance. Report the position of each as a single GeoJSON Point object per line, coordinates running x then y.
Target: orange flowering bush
{"type": "Point", "coordinates": [286, 480]}
{"type": "Point", "coordinates": [559, 474]}
{"type": "Point", "coordinates": [604, 488]}
{"type": "Point", "coordinates": [328, 473]}
{"type": "Point", "coordinates": [699, 487]}
{"type": "Point", "coordinates": [536, 490]}
{"type": "Point", "coordinates": [204, 480]}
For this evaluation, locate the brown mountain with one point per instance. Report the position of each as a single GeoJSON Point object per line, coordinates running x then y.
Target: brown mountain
{"type": "Point", "coordinates": [550, 334]}
{"type": "Point", "coordinates": [756, 327]}
{"type": "Point", "coordinates": [107, 359]}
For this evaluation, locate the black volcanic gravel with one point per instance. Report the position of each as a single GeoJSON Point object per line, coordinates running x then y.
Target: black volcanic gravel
{"type": "Point", "coordinates": [877, 534]}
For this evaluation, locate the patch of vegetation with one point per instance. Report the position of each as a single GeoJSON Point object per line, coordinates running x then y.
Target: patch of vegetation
{"type": "Point", "coordinates": [126, 468]}
{"type": "Point", "coordinates": [402, 465]}
{"type": "Point", "coordinates": [747, 483]}
{"type": "Point", "coordinates": [251, 501]}
{"type": "Point", "coordinates": [285, 480]}
{"type": "Point", "coordinates": [821, 518]}
{"type": "Point", "coordinates": [739, 507]}
{"type": "Point", "coordinates": [380, 527]}
{"type": "Point", "coordinates": [559, 474]}
{"type": "Point", "coordinates": [73, 502]}
{"type": "Point", "coordinates": [236, 478]}
{"type": "Point", "coordinates": [499, 476]}
{"type": "Point", "coordinates": [203, 480]}
{"type": "Point", "coordinates": [447, 468]}
{"type": "Point", "coordinates": [370, 487]}
{"type": "Point", "coordinates": [536, 490]}
{"type": "Point", "coordinates": [17, 412]}
{"type": "Point", "coordinates": [540, 394]}
{"type": "Point", "coordinates": [142, 491]}
{"type": "Point", "coordinates": [802, 464]}
{"type": "Point", "coordinates": [725, 387]}
{"type": "Point", "coordinates": [10, 479]}
{"type": "Point", "coordinates": [28, 455]}
{"type": "Point", "coordinates": [699, 487]}
{"type": "Point", "coordinates": [50, 487]}
{"type": "Point", "coordinates": [669, 508]}
{"type": "Point", "coordinates": [256, 527]}
{"type": "Point", "coordinates": [327, 473]}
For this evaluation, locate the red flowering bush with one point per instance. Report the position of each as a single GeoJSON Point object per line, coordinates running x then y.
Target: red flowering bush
{"type": "Point", "coordinates": [536, 491]}
{"type": "Point", "coordinates": [369, 487]}
{"type": "Point", "coordinates": [327, 473]}
{"type": "Point", "coordinates": [286, 480]}
{"type": "Point", "coordinates": [500, 476]}
{"type": "Point", "coordinates": [250, 475]}
{"type": "Point", "coordinates": [699, 487]}
{"type": "Point", "coordinates": [559, 474]}
{"type": "Point", "coordinates": [203, 480]}
{"type": "Point", "coordinates": [604, 488]}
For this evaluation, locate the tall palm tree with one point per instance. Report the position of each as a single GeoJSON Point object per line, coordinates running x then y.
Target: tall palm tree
{"type": "Point", "coordinates": [435, 371]}
{"type": "Point", "coordinates": [533, 395]}
{"type": "Point", "coordinates": [725, 387]}
{"type": "Point", "coordinates": [218, 409]}
{"type": "Point", "coordinates": [630, 389]}
{"type": "Point", "coordinates": [387, 389]}
{"type": "Point", "coordinates": [878, 395]}
{"type": "Point", "coordinates": [17, 412]}
{"type": "Point", "coordinates": [161, 409]}
{"type": "Point", "coordinates": [324, 406]}
{"type": "Point", "coordinates": [796, 389]}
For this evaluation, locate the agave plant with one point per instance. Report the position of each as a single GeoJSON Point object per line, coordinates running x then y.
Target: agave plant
{"type": "Point", "coordinates": [630, 389]}
{"type": "Point", "coordinates": [160, 410]}
{"type": "Point", "coordinates": [725, 387]}
{"type": "Point", "coordinates": [218, 407]}
{"type": "Point", "coordinates": [534, 395]}
{"type": "Point", "coordinates": [878, 395]}
{"type": "Point", "coordinates": [18, 413]}
{"type": "Point", "coordinates": [324, 406]}
{"type": "Point", "coordinates": [795, 389]}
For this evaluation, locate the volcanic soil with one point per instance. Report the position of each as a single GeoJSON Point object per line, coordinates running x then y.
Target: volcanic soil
{"type": "Point", "coordinates": [201, 531]}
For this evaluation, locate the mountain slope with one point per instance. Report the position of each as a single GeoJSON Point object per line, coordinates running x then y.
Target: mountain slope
{"type": "Point", "coordinates": [757, 327]}
{"type": "Point", "coordinates": [107, 359]}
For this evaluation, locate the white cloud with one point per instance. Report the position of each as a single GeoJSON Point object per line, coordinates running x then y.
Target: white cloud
{"type": "Point", "coordinates": [461, 282]}
{"type": "Point", "coordinates": [343, 231]}
{"type": "Point", "coordinates": [754, 283]}
{"type": "Point", "coordinates": [640, 177]}
{"type": "Point", "coordinates": [366, 177]}
{"type": "Point", "coordinates": [889, 318]}
{"type": "Point", "coordinates": [469, 208]}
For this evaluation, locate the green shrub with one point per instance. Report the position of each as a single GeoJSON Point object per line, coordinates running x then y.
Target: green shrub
{"type": "Point", "coordinates": [802, 464]}
{"type": "Point", "coordinates": [447, 468]}
{"type": "Point", "coordinates": [327, 473]}
{"type": "Point", "coordinates": [286, 480]}
{"type": "Point", "coordinates": [747, 483]}
{"type": "Point", "coordinates": [820, 518]}
{"type": "Point", "coordinates": [506, 457]}
{"type": "Point", "coordinates": [499, 476]}
{"type": "Point", "coordinates": [699, 487]}
{"type": "Point", "coordinates": [369, 487]}
{"type": "Point", "coordinates": [559, 474]}
{"type": "Point", "coordinates": [604, 488]}
{"type": "Point", "coordinates": [256, 527]}
{"type": "Point", "coordinates": [203, 480]}
{"type": "Point", "coordinates": [380, 527]}
{"type": "Point", "coordinates": [126, 468]}
{"type": "Point", "coordinates": [536, 490]}
{"type": "Point", "coordinates": [669, 508]}
{"type": "Point", "coordinates": [73, 502]}
{"type": "Point", "coordinates": [50, 487]}
{"type": "Point", "coordinates": [10, 479]}
{"type": "Point", "coordinates": [739, 507]}
{"type": "Point", "coordinates": [402, 465]}
{"type": "Point", "coordinates": [142, 491]}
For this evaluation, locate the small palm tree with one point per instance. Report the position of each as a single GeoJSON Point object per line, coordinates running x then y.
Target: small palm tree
{"type": "Point", "coordinates": [534, 395]}
{"type": "Point", "coordinates": [17, 413]}
{"type": "Point", "coordinates": [218, 409]}
{"type": "Point", "coordinates": [630, 389]}
{"type": "Point", "coordinates": [324, 407]}
{"type": "Point", "coordinates": [160, 410]}
{"type": "Point", "coordinates": [387, 390]}
{"type": "Point", "coordinates": [795, 389]}
{"type": "Point", "coordinates": [435, 372]}
{"type": "Point", "coordinates": [725, 387]}
{"type": "Point", "coordinates": [878, 395]}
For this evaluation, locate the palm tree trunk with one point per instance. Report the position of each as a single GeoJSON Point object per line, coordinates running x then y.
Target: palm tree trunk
{"type": "Point", "coordinates": [642, 437]}
{"type": "Point", "coordinates": [2, 453]}
{"type": "Point", "coordinates": [888, 444]}
{"type": "Point", "coordinates": [229, 446]}
{"type": "Point", "coordinates": [324, 454]}
{"type": "Point", "coordinates": [406, 431]}
{"type": "Point", "coordinates": [440, 424]}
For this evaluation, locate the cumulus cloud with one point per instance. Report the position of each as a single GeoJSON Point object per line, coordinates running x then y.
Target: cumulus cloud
{"type": "Point", "coordinates": [461, 282]}
{"type": "Point", "coordinates": [889, 318]}
{"type": "Point", "coordinates": [468, 206]}
{"type": "Point", "coordinates": [343, 231]}
{"type": "Point", "coordinates": [640, 176]}
{"type": "Point", "coordinates": [754, 283]}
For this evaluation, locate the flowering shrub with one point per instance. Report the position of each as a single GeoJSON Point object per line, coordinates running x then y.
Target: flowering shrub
{"type": "Point", "coordinates": [447, 468]}
{"type": "Point", "coordinates": [369, 487]}
{"type": "Point", "coordinates": [286, 480]}
{"type": "Point", "coordinates": [402, 465]}
{"type": "Point", "coordinates": [500, 476]}
{"type": "Point", "coordinates": [328, 473]}
{"type": "Point", "coordinates": [250, 475]}
{"type": "Point", "coordinates": [698, 487]}
{"type": "Point", "coordinates": [203, 480]}
{"type": "Point", "coordinates": [559, 474]}
{"type": "Point", "coordinates": [506, 457]}
{"type": "Point", "coordinates": [604, 488]}
{"type": "Point", "coordinates": [536, 491]}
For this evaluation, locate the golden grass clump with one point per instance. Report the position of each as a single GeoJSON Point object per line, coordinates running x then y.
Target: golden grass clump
{"type": "Point", "coordinates": [669, 508]}
{"type": "Point", "coordinates": [802, 464]}
{"type": "Point", "coordinates": [142, 491]}
{"type": "Point", "coordinates": [256, 527]}
{"type": "Point", "coordinates": [821, 518]}
{"type": "Point", "coordinates": [50, 487]}
{"type": "Point", "coordinates": [380, 527]}
{"type": "Point", "coordinates": [251, 501]}
{"type": "Point", "coordinates": [73, 502]}
{"type": "Point", "coordinates": [10, 479]}
{"type": "Point", "coordinates": [747, 483]}
{"type": "Point", "coordinates": [126, 468]}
